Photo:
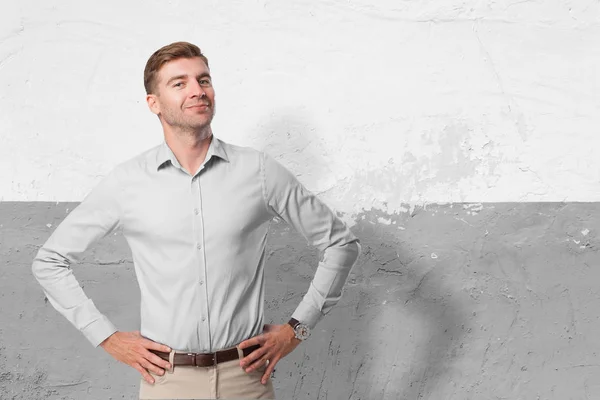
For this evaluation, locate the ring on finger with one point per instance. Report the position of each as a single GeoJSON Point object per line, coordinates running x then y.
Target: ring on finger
{"type": "Point", "coordinates": [265, 362]}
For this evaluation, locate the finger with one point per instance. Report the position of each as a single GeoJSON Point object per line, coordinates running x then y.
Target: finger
{"type": "Point", "coordinates": [269, 370]}
{"type": "Point", "coordinates": [259, 339]}
{"type": "Point", "coordinates": [258, 363]}
{"type": "Point", "coordinates": [153, 368]}
{"type": "Point", "coordinates": [147, 377]}
{"type": "Point", "coordinates": [149, 344]}
{"type": "Point", "coordinates": [156, 360]}
{"type": "Point", "coordinates": [252, 357]}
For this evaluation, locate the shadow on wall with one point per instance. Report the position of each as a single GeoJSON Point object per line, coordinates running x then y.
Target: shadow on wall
{"type": "Point", "coordinates": [397, 331]}
{"type": "Point", "coordinates": [293, 139]}
{"type": "Point", "coordinates": [415, 325]}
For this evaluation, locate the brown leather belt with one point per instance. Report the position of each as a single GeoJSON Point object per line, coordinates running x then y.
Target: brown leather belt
{"type": "Point", "coordinates": [205, 359]}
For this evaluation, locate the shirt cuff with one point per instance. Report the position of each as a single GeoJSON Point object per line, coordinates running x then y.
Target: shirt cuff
{"type": "Point", "coordinates": [307, 314]}
{"type": "Point", "coordinates": [98, 331]}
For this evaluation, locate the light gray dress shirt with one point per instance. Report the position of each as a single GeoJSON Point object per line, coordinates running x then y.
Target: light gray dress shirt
{"type": "Point", "coordinates": [198, 246]}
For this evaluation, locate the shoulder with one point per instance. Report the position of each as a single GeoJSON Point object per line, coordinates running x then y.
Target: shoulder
{"type": "Point", "coordinates": [235, 151]}
{"type": "Point", "coordinates": [128, 170]}
{"type": "Point", "coordinates": [139, 163]}
{"type": "Point", "coordinates": [243, 157]}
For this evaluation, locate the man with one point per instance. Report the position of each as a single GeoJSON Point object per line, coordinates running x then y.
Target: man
{"type": "Point", "coordinates": [195, 212]}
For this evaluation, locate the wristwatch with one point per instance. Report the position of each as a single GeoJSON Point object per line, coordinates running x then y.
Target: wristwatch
{"type": "Point", "coordinates": [301, 330]}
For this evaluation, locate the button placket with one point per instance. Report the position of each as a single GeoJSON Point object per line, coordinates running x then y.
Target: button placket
{"type": "Point", "coordinates": [204, 326]}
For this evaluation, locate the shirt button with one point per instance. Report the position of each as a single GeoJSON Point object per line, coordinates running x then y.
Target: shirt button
{"type": "Point", "coordinates": [201, 282]}
{"type": "Point", "coordinates": [203, 318]}
{"type": "Point", "coordinates": [198, 246]}
{"type": "Point", "coordinates": [196, 211]}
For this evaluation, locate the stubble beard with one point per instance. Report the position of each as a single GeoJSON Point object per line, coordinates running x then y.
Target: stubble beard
{"type": "Point", "coordinates": [184, 127]}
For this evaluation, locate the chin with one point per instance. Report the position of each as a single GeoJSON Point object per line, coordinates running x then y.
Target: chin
{"type": "Point", "coordinates": [200, 125]}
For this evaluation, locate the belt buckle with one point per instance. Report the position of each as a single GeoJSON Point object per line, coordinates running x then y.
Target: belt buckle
{"type": "Point", "coordinates": [195, 358]}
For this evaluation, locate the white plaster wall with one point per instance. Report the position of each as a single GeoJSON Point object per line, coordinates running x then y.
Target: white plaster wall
{"type": "Point", "coordinates": [372, 104]}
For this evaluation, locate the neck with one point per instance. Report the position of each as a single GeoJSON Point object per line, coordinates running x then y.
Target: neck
{"type": "Point", "coordinates": [189, 147]}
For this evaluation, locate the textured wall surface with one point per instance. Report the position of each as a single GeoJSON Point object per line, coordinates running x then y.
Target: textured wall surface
{"type": "Point", "coordinates": [497, 301]}
{"type": "Point", "coordinates": [458, 138]}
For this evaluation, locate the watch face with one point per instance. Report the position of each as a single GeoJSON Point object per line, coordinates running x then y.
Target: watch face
{"type": "Point", "coordinates": [302, 331]}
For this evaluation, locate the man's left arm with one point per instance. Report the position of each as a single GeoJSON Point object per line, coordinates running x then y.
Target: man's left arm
{"type": "Point", "coordinates": [288, 199]}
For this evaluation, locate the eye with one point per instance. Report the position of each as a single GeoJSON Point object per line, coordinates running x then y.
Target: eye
{"type": "Point", "coordinates": [178, 84]}
{"type": "Point", "coordinates": [204, 82]}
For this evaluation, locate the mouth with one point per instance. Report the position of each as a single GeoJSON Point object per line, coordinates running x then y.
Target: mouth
{"type": "Point", "coordinates": [199, 107]}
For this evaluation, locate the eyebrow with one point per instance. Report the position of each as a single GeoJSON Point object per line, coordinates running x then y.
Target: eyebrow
{"type": "Point", "coordinates": [202, 75]}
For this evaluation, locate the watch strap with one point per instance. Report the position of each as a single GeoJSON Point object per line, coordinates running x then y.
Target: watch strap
{"type": "Point", "coordinates": [293, 323]}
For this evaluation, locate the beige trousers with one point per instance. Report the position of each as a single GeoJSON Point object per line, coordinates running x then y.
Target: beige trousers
{"type": "Point", "coordinates": [225, 380]}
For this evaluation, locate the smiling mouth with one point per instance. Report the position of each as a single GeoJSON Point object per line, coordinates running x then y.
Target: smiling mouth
{"type": "Point", "coordinates": [202, 106]}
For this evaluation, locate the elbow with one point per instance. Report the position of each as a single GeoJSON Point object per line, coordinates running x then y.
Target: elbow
{"type": "Point", "coordinates": [353, 248]}
{"type": "Point", "coordinates": [345, 255]}
{"type": "Point", "coordinates": [356, 251]}
{"type": "Point", "coordinates": [46, 264]}
{"type": "Point", "coordinates": [37, 266]}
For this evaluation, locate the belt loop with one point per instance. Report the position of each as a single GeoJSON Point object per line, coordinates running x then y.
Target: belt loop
{"type": "Point", "coordinates": [240, 352]}
{"type": "Point", "coordinates": [171, 361]}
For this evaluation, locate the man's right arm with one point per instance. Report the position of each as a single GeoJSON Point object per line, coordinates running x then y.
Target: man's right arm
{"type": "Point", "coordinates": [97, 216]}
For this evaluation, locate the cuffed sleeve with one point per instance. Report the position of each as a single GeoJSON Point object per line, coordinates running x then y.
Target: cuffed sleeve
{"type": "Point", "coordinates": [288, 199]}
{"type": "Point", "coordinates": [97, 216]}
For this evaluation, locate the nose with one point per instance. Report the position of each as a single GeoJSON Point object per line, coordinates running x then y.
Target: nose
{"type": "Point", "coordinates": [196, 90]}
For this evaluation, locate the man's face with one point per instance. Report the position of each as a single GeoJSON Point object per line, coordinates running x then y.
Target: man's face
{"type": "Point", "coordinates": [184, 96]}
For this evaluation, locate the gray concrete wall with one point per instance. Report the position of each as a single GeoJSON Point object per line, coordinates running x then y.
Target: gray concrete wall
{"type": "Point", "coordinates": [460, 301]}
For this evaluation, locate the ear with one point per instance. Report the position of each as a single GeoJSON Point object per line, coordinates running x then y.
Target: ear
{"type": "Point", "coordinates": [153, 103]}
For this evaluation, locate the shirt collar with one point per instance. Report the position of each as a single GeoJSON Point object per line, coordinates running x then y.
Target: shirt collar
{"type": "Point", "coordinates": [165, 154]}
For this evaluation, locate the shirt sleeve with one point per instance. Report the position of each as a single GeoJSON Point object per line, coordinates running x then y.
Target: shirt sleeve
{"type": "Point", "coordinates": [288, 199]}
{"type": "Point", "coordinates": [95, 217]}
